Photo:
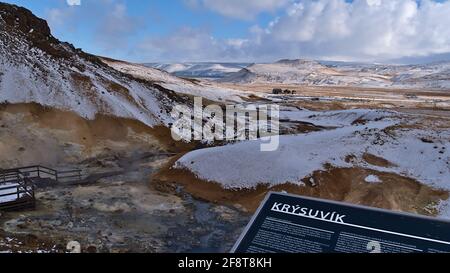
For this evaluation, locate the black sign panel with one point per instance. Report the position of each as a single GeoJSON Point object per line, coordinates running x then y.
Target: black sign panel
{"type": "Point", "coordinates": [292, 224]}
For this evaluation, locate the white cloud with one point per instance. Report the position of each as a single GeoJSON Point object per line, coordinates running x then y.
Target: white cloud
{"type": "Point", "coordinates": [237, 43]}
{"type": "Point", "coordinates": [74, 2]}
{"type": "Point", "coordinates": [188, 44]}
{"type": "Point", "coordinates": [362, 30]}
{"type": "Point", "coordinates": [241, 9]}
{"type": "Point", "coordinates": [55, 16]}
{"type": "Point", "coordinates": [114, 30]}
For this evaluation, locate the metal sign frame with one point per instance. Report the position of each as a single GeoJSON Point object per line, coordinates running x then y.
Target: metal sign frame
{"type": "Point", "coordinates": [341, 204]}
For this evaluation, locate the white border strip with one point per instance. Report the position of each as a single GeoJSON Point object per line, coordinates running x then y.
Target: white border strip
{"type": "Point", "coordinates": [368, 228]}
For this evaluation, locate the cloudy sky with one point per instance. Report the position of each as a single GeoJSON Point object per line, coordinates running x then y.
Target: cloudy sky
{"type": "Point", "coordinates": [252, 30]}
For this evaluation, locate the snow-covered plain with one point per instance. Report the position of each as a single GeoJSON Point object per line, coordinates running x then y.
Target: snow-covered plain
{"type": "Point", "coordinates": [335, 118]}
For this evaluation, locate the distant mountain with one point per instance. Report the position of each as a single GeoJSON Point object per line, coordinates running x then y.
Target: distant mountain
{"type": "Point", "coordinates": [308, 72]}
{"type": "Point", "coordinates": [200, 70]}
{"type": "Point", "coordinates": [184, 86]}
{"type": "Point", "coordinates": [305, 72]}
{"type": "Point", "coordinates": [430, 76]}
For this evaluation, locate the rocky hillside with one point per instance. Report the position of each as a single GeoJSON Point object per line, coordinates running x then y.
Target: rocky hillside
{"type": "Point", "coordinates": [35, 67]}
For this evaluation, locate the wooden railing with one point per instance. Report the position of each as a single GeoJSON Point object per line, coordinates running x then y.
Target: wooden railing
{"type": "Point", "coordinates": [18, 187]}
{"type": "Point", "coordinates": [44, 172]}
{"type": "Point", "coordinates": [69, 176]}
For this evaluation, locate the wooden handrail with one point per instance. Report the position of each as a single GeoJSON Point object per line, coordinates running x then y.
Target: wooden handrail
{"type": "Point", "coordinates": [21, 179]}
{"type": "Point", "coordinates": [36, 171]}
{"type": "Point", "coordinates": [26, 184]}
{"type": "Point", "coordinates": [69, 171]}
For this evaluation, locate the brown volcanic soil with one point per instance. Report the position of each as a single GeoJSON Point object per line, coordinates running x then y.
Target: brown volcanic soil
{"type": "Point", "coordinates": [32, 134]}
{"type": "Point", "coordinates": [337, 91]}
{"type": "Point", "coordinates": [347, 184]}
{"type": "Point", "coordinates": [115, 210]}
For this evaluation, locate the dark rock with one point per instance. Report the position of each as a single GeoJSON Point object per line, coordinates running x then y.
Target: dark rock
{"type": "Point", "coordinates": [425, 140]}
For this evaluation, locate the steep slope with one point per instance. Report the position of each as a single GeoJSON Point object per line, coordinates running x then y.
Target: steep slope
{"type": "Point", "coordinates": [36, 67]}
{"type": "Point", "coordinates": [179, 85]}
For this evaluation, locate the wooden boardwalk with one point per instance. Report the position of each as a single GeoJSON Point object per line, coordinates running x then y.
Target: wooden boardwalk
{"type": "Point", "coordinates": [18, 186]}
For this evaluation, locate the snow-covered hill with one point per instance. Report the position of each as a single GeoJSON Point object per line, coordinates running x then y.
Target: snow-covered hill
{"type": "Point", "coordinates": [35, 67]}
{"type": "Point", "coordinates": [435, 76]}
{"type": "Point", "coordinates": [429, 76]}
{"type": "Point", "coordinates": [179, 85]}
{"type": "Point", "coordinates": [355, 133]}
{"type": "Point", "coordinates": [306, 72]}
{"type": "Point", "coordinates": [200, 70]}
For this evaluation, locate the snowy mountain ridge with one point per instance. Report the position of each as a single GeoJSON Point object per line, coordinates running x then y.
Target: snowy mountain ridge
{"type": "Point", "coordinates": [315, 73]}
{"type": "Point", "coordinates": [200, 70]}
{"type": "Point", "coordinates": [35, 67]}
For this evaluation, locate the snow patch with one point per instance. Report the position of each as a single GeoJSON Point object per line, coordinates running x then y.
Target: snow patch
{"type": "Point", "coordinates": [243, 165]}
{"type": "Point", "coordinates": [373, 179]}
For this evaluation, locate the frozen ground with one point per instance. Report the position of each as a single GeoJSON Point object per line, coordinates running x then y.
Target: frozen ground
{"type": "Point", "coordinates": [243, 165]}
{"type": "Point", "coordinates": [418, 153]}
